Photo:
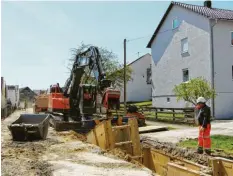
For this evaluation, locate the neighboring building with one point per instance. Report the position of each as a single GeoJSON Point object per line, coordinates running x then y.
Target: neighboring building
{"type": "Point", "coordinates": [27, 94]}
{"type": "Point", "coordinates": [3, 98]}
{"type": "Point", "coordinates": [139, 88]}
{"type": "Point", "coordinates": [13, 95]}
{"type": "Point", "coordinates": [192, 41]}
{"type": "Point", "coordinates": [39, 92]}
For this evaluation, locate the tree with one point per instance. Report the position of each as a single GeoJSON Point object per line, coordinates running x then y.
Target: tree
{"type": "Point", "coordinates": [191, 90]}
{"type": "Point", "coordinates": [113, 69]}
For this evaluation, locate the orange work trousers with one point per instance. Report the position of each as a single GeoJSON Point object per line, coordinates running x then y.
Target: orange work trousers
{"type": "Point", "coordinates": [204, 140]}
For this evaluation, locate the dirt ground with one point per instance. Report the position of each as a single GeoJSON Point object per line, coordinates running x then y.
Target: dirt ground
{"type": "Point", "coordinates": [61, 154]}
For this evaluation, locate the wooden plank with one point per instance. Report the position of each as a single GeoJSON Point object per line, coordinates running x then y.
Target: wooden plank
{"type": "Point", "coordinates": [159, 162]}
{"type": "Point", "coordinates": [222, 167]}
{"type": "Point", "coordinates": [120, 127]}
{"type": "Point", "coordinates": [189, 164]}
{"type": "Point", "coordinates": [101, 135]}
{"type": "Point", "coordinates": [148, 129]}
{"type": "Point", "coordinates": [156, 115]}
{"type": "Point", "coordinates": [147, 158]}
{"type": "Point", "coordinates": [121, 135]}
{"type": "Point", "coordinates": [134, 135]}
{"type": "Point", "coordinates": [174, 117]}
{"type": "Point", "coordinates": [123, 143]}
{"type": "Point", "coordinates": [177, 170]}
{"type": "Point", "coordinates": [169, 112]}
{"type": "Point", "coordinates": [109, 135]}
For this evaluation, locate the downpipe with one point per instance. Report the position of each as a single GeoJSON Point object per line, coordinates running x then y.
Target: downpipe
{"type": "Point", "coordinates": [212, 66]}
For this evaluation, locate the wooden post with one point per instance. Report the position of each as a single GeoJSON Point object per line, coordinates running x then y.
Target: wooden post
{"type": "Point", "coordinates": [134, 136]}
{"type": "Point", "coordinates": [156, 116]}
{"type": "Point", "coordinates": [110, 138]}
{"type": "Point", "coordinates": [125, 98]}
{"type": "Point", "coordinates": [215, 167]}
{"type": "Point", "coordinates": [174, 117]}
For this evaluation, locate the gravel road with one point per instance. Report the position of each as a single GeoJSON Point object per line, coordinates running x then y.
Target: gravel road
{"type": "Point", "coordinates": [61, 154]}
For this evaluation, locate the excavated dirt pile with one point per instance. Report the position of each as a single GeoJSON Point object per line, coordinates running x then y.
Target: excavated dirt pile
{"type": "Point", "coordinates": [174, 151]}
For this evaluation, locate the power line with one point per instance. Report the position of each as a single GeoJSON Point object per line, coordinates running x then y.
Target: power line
{"type": "Point", "coordinates": [149, 35]}
{"type": "Point", "coordinates": [138, 38]}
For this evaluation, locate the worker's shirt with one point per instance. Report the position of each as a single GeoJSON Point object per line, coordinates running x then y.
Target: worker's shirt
{"type": "Point", "coordinates": [203, 116]}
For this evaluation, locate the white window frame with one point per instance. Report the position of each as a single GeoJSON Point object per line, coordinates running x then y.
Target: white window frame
{"type": "Point", "coordinates": [182, 45]}
{"type": "Point", "coordinates": [231, 32]}
{"type": "Point", "coordinates": [186, 69]}
{"type": "Point", "coordinates": [173, 23]}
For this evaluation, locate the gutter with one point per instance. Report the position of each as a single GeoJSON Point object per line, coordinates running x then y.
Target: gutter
{"type": "Point", "coordinates": [212, 65]}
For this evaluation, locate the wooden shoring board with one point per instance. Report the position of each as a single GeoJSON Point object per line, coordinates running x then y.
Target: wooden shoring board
{"type": "Point", "coordinates": [135, 138]}
{"type": "Point", "coordinates": [222, 167]}
{"type": "Point", "coordinates": [98, 136]}
{"type": "Point", "coordinates": [177, 170]}
{"type": "Point", "coordinates": [157, 161]}
{"type": "Point", "coordinates": [122, 135]}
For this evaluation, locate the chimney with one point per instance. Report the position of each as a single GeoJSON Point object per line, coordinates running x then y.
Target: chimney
{"type": "Point", "coordinates": [208, 4]}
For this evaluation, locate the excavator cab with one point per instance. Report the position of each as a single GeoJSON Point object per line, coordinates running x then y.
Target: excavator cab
{"type": "Point", "coordinates": [88, 98]}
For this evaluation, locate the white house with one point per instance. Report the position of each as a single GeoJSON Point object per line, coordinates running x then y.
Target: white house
{"type": "Point", "coordinates": [139, 88]}
{"type": "Point", "coordinates": [13, 94]}
{"type": "Point", "coordinates": [192, 41]}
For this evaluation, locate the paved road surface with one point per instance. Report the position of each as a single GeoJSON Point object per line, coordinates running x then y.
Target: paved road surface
{"type": "Point", "coordinates": [184, 132]}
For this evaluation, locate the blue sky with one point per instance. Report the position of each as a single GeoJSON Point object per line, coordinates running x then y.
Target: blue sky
{"type": "Point", "coordinates": [37, 36]}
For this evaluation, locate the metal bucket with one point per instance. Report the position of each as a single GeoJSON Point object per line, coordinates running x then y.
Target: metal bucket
{"type": "Point", "coordinates": [30, 127]}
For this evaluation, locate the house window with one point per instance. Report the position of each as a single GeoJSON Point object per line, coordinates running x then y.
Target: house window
{"type": "Point", "coordinates": [185, 75]}
{"type": "Point", "coordinates": [175, 23]}
{"type": "Point", "coordinates": [232, 38]}
{"type": "Point", "coordinates": [184, 45]}
{"type": "Point", "coordinates": [168, 99]}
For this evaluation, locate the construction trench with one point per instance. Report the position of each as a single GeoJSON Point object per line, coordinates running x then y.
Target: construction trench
{"type": "Point", "coordinates": [123, 142]}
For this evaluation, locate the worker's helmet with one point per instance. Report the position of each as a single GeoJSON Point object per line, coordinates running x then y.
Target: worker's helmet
{"type": "Point", "coordinates": [201, 100]}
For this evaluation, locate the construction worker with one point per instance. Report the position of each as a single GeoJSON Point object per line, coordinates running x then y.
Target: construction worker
{"type": "Point", "coordinates": [203, 120]}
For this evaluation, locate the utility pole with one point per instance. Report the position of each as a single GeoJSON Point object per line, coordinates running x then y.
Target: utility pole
{"type": "Point", "coordinates": [125, 77]}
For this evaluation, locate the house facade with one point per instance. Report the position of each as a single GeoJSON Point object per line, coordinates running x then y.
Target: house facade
{"type": "Point", "coordinates": [193, 41]}
{"type": "Point", "coordinates": [13, 94]}
{"type": "Point", "coordinates": [139, 88]}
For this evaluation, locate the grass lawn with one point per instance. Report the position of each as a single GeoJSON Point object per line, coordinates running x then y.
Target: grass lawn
{"type": "Point", "coordinates": [219, 143]}
{"type": "Point", "coordinates": [143, 103]}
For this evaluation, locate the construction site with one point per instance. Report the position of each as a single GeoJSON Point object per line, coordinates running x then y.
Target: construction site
{"type": "Point", "coordinates": [78, 129]}
{"type": "Point", "coordinates": [109, 118]}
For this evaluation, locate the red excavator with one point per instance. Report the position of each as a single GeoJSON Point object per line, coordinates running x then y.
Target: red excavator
{"type": "Point", "coordinates": [78, 101]}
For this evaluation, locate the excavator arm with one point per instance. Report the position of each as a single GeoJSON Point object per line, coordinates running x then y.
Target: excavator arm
{"type": "Point", "coordinates": [73, 88]}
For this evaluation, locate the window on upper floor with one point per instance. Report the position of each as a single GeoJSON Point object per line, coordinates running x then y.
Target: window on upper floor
{"type": "Point", "coordinates": [185, 75]}
{"type": "Point", "coordinates": [184, 45]}
{"type": "Point", "coordinates": [168, 99]}
{"type": "Point", "coordinates": [175, 23]}
{"type": "Point", "coordinates": [232, 38]}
